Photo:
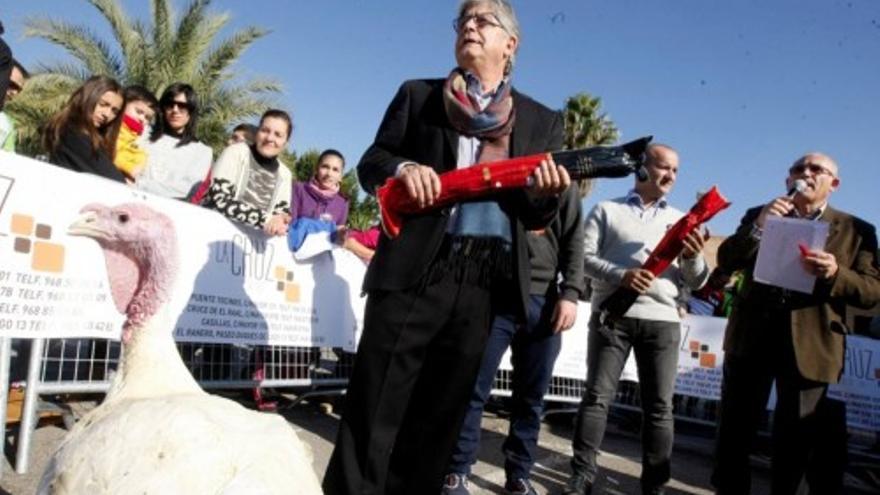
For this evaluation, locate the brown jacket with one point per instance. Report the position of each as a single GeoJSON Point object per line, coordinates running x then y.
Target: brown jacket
{"type": "Point", "coordinates": [817, 319]}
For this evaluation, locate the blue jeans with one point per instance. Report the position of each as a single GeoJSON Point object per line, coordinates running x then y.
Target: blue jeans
{"type": "Point", "coordinates": [656, 347]}
{"type": "Point", "coordinates": [534, 350]}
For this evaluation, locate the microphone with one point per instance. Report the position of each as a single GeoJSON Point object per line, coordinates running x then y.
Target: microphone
{"type": "Point", "coordinates": [799, 186]}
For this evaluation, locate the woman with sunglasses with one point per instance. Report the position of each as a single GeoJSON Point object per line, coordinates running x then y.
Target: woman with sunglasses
{"type": "Point", "coordinates": [82, 136]}
{"type": "Point", "coordinates": [177, 161]}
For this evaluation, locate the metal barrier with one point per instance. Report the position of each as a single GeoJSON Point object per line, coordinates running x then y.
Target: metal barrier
{"type": "Point", "coordinates": [570, 390]}
{"type": "Point", "coordinates": [79, 366]}
{"type": "Point", "coordinates": [68, 366]}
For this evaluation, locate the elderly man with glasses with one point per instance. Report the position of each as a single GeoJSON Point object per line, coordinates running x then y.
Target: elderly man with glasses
{"type": "Point", "coordinates": [432, 290]}
{"type": "Point", "coordinates": [794, 338]}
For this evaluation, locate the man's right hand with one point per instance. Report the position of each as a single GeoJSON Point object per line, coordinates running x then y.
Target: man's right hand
{"type": "Point", "coordinates": [637, 279]}
{"type": "Point", "coordinates": [422, 183]}
{"type": "Point", "coordinates": [779, 207]}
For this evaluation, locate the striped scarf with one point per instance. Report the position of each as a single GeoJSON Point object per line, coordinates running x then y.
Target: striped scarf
{"type": "Point", "coordinates": [492, 126]}
{"type": "Point", "coordinates": [479, 242]}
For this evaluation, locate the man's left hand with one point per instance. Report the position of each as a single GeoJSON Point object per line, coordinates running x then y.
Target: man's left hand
{"type": "Point", "coordinates": [694, 243]}
{"type": "Point", "coordinates": [549, 179]}
{"type": "Point", "coordinates": [564, 315]}
{"type": "Point", "coordinates": [821, 264]}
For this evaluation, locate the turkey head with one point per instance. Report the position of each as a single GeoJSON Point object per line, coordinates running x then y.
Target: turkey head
{"type": "Point", "coordinates": [140, 250]}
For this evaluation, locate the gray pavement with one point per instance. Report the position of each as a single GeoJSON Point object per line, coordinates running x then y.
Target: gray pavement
{"type": "Point", "coordinates": [619, 460]}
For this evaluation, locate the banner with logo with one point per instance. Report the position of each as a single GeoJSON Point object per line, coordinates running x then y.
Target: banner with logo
{"type": "Point", "coordinates": [700, 357]}
{"type": "Point", "coordinates": [859, 386]}
{"type": "Point", "coordinates": [699, 362]}
{"type": "Point", "coordinates": [234, 284]}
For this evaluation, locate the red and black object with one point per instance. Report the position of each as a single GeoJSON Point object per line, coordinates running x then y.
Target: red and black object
{"type": "Point", "coordinates": [669, 248]}
{"type": "Point", "coordinates": [484, 179]}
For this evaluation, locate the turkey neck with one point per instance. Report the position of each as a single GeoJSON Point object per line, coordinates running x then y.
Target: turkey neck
{"type": "Point", "coordinates": [151, 364]}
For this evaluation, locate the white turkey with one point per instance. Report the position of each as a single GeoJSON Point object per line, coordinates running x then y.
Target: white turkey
{"type": "Point", "coordinates": [157, 432]}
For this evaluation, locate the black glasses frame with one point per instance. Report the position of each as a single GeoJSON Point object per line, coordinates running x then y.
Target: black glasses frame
{"type": "Point", "coordinates": [482, 21]}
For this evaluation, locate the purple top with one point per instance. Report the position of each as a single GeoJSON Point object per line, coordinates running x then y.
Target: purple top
{"type": "Point", "coordinates": [309, 204]}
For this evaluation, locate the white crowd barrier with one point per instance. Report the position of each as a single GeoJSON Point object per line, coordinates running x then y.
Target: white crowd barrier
{"type": "Point", "coordinates": [701, 360]}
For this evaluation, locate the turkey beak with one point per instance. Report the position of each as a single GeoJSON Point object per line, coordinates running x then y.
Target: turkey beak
{"type": "Point", "coordinates": [87, 226]}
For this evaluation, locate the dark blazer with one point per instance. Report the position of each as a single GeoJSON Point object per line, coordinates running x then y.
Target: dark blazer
{"type": "Point", "coordinates": [817, 319]}
{"type": "Point", "coordinates": [415, 128]}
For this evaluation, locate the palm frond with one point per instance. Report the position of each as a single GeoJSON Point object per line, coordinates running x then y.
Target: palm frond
{"type": "Point", "coordinates": [163, 27]}
{"type": "Point", "coordinates": [139, 63]}
{"type": "Point", "coordinates": [130, 41]}
{"type": "Point", "coordinates": [80, 42]}
{"type": "Point", "coordinates": [195, 33]}
{"type": "Point", "coordinates": [225, 54]}
{"type": "Point", "coordinates": [154, 53]}
{"type": "Point", "coordinates": [584, 126]}
{"type": "Point", "coordinates": [63, 69]}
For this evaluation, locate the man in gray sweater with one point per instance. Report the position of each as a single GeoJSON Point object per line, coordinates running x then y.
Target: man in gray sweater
{"type": "Point", "coordinates": [554, 252]}
{"type": "Point", "coordinates": [619, 235]}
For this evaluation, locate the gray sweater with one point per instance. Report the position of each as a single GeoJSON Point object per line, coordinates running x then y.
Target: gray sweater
{"type": "Point", "coordinates": [617, 238]}
{"type": "Point", "coordinates": [558, 250]}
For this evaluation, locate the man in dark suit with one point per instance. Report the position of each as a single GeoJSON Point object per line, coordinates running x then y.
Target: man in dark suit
{"type": "Point", "coordinates": [794, 338]}
{"type": "Point", "coordinates": [431, 288]}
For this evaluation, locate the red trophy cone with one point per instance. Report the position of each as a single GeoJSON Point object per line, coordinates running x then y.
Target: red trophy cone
{"type": "Point", "coordinates": [669, 248]}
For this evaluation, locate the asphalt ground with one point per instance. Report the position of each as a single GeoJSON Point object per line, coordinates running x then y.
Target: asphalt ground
{"type": "Point", "coordinates": [316, 420]}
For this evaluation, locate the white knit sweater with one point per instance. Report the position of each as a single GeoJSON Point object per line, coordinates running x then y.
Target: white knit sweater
{"type": "Point", "coordinates": [174, 171]}
{"type": "Point", "coordinates": [617, 238]}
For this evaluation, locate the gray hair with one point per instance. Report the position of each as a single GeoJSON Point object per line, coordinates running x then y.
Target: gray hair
{"type": "Point", "coordinates": [504, 12]}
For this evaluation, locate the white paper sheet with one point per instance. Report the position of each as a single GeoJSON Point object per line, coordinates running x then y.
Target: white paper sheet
{"type": "Point", "coordinates": [314, 244]}
{"type": "Point", "coordinates": [779, 257]}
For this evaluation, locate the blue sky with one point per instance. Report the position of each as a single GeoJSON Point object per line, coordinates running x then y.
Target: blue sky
{"type": "Point", "coordinates": [741, 88]}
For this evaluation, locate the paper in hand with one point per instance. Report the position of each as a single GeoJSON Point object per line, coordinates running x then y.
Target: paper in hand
{"type": "Point", "coordinates": [783, 244]}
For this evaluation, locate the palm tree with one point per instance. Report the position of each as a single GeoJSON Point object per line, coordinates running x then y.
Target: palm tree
{"type": "Point", "coordinates": [585, 127]}
{"type": "Point", "coordinates": [153, 55]}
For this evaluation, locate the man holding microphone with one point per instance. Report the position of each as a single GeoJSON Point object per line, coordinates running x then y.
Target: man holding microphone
{"type": "Point", "coordinates": [793, 338]}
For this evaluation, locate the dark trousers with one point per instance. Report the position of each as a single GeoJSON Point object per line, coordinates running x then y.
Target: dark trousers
{"type": "Point", "coordinates": [809, 430]}
{"type": "Point", "coordinates": [413, 374]}
{"type": "Point", "coordinates": [534, 349]}
{"type": "Point", "coordinates": [655, 344]}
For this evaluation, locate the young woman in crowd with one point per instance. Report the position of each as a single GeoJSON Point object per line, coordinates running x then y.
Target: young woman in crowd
{"type": "Point", "coordinates": [82, 136]}
{"type": "Point", "coordinates": [320, 198]}
{"type": "Point", "coordinates": [249, 184]}
{"type": "Point", "coordinates": [177, 161]}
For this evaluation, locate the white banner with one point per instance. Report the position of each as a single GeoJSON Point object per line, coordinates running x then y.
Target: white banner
{"type": "Point", "coordinates": [700, 357]}
{"type": "Point", "coordinates": [234, 284]}
{"type": "Point", "coordinates": [699, 362]}
{"type": "Point", "coordinates": [859, 386]}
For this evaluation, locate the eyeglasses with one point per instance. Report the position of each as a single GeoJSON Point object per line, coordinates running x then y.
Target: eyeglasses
{"type": "Point", "coordinates": [179, 105]}
{"type": "Point", "coordinates": [814, 169]}
{"type": "Point", "coordinates": [482, 21]}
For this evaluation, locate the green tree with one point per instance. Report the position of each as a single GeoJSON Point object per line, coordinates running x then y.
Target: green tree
{"type": "Point", "coordinates": [585, 126]}
{"type": "Point", "coordinates": [153, 55]}
{"type": "Point", "coordinates": [363, 211]}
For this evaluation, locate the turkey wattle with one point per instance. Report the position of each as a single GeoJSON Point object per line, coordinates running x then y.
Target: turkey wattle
{"type": "Point", "coordinates": [157, 432]}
